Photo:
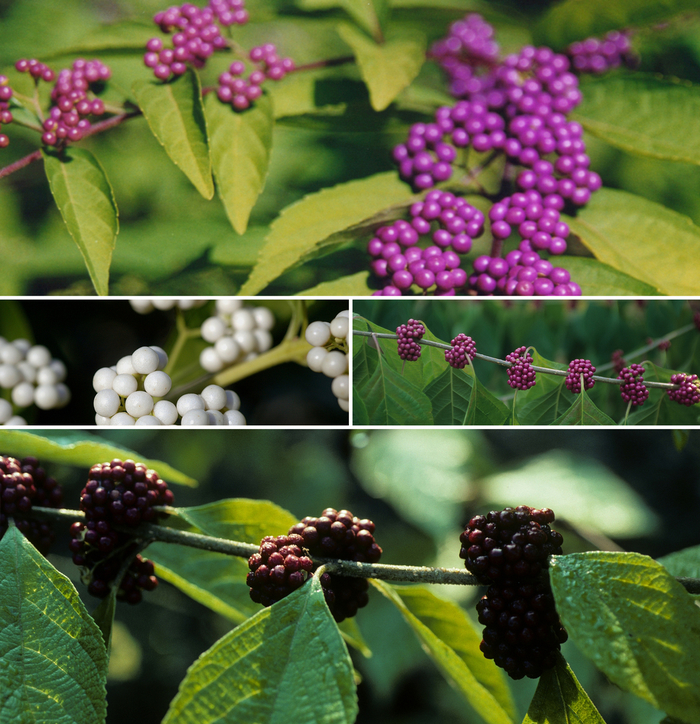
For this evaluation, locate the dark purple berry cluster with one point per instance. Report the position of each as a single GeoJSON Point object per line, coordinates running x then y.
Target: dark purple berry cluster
{"type": "Point", "coordinates": [5, 112]}
{"type": "Point", "coordinates": [633, 390]}
{"type": "Point", "coordinates": [339, 534]}
{"type": "Point", "coordinates": [24, 484]}
{"type": "Point", "coordinates": [462, 347]}
{"type": "Point", "coordinates": [408, 336]}
{"type": "Point", "coordinates": [578, 368]}
{"type": "Point", "coordinates": [689, 391]}
{"type": "Point", "coordinates": [118, 493]}
{"type": "Point", "coordinates": [618, 360]}
{"type": "Point", "coordinates": [596, 55]}
{"type": "Point", "coordinates": [521, 376]}
{"type": "Point", "coordinates": [278, 569]}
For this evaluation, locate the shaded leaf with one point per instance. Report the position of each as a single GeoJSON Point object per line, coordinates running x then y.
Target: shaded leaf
{"type": "Point", "coordinates": [53, 662]}
{"type": "Point", "coordinates": [683, 564]}
{"type": "Point", "coordinates": [584, 412]}
{"type": "Point", "coordinates": [124, 36]}
{"type": "Point", "coordinates": [354, 285]}
{"type": "Point", "coordinates": [103, 616]}
{"type": "Point", "coordinates": [240, 144]}
{"type": "Point", "coordinates": [175, 115]}
{"type": "Point", "coordinates": [597, 279]}
{"type": "Point", "coordinates": [86, 201]}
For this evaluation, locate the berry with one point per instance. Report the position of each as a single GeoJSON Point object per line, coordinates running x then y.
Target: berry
{"type": "Point", "coordinates": [689, 391]}
{"type": "Point", "coordinates": [278, 568]}
{"type": "Point", "coordinates": [633, 389]}
{"type": "Point", "coordinates": [462, 347]}
{"type": "Point", "coordinates": [577, 369]}
{"type": "Point", "coordinates": [408, 336]}
{"type": "Point", "coordinates": [598, 56]}
{"type": "Point", "coordinates": [324, 356]}
{"type": "Point", "coordinates": [521, 376]}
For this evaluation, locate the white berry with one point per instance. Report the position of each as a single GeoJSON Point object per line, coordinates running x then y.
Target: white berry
{"type": "Point", "coordinates": [124, 366]}
{"type": "Point", "coordinates": [166, 412]}
{"type": "Point", "coordinates": [23, 394]}
{"type": "Point", "coordinates": [148, 421]}
{"type": "Point", "coordinates": [124, 385]}
{"type": "Point", "coordinates": [315, 357]}
{"type": "Point", "coordinates": [234, 417]}
{"type": "Point", "coordinates": [103, 378]}
{"type": "Point", "coordinates": [145, 360]}
{"type": "Point", "coordinates": [195, 417]}
{"type": "Point", "coordinates": [162, 356]}
{"type": "Point", "coordinates": [344, 405]}
{"type": "Point", "coordinates": [138, 404]}
{"type": "Point", "coordinates": [334, 363]}
{"type": "Point", "coordinates": [38, 356]}
{"type": "Point", "coordinates": [340, 327]}
{"type": "Point", "coordinates": [46, 397]}
{"type": "Point", "coordinates": [5, 411]}
{"type": "Point", "coordinates": [264, 318]}
{"type": "Point", "coordinates": [210, 361]}
{"type": "Point", "coordinates": [212, 329]}
{"type": "Point", "coordinates": [122, 418]}
{"type": "Point", "coordinates": [214, 397]}
{"type": "Point", "coordinates": [233, 401]}
{"type": "Point", "coordinates": [106, 403]}
{"type": "Point", "coordinates": [318, 333]}
{"type": "Point", "coordinates": [227, 349]}
{"type": "Point", "coordinates": [9, 375]}
{"type": "Point", "coordinates": [157, 384]}
{"type": "Point", "coordinates": [189, 402]}
{"type": "Point", "coordinates": [46, 376]}
{"type": "Point", "coordinates": [341, 387]}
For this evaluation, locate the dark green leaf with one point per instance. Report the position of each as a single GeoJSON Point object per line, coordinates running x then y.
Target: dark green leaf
{"type": "Point", "coordinates": [359, 410]}
{"type": "Point", "coordinates": [86, 202]}
{"type": "Point", "coordinates": [600, 280]}
{"type": "Point", "coordinates": [103, 616]}
{"type": "Point", "coordinates": [684, 564]}
{"type": "Point", "coordinates": [175, 115]}
{"type": "Point", "coordinates": [584, 412]}
{"type": "Point", "coordinates": [391, 399]}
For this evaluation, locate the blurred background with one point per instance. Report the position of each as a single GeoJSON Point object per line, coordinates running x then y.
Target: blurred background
{"type": "Point", "coordinates": [612, 489]}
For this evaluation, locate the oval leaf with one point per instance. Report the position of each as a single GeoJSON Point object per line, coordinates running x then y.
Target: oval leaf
{"type": "Point", "coordinates": [240, 144]}
{"type": "Point", "coordinates": [642, 239]}
{"type": "Point", "coordinates": [636, 622]}
{"type": "Point", "coordinates": [53, 661]}
{"type": "Point", "coordinates": [86, 201]}
{"type": "Point", "coordinates": [175, 114]}
{"type": "Point", "coordinates": [287, 658]}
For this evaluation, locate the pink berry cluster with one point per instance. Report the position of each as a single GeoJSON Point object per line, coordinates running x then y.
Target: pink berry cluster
{"type": "Point", "coordinates": [688, 393]}
{"type": "Point", "coordinates": [633, 390]}
{"type": "Point", "coordinates": [408, 336]}
{"type": "Point", "coordinates": [239, 91]}
{"type": "Point", "coordinates": [462, 347]}
{"type": "Point", "coordinates": [596, 55]}
{"type": "Point", "coordinates": [521, 376]}
{"type": "Point", "coordinates": [452, 224]}
{"type": "Point", "coordinates": [578, 368]}
{"type": "Point", "coordinates": [5, 112]}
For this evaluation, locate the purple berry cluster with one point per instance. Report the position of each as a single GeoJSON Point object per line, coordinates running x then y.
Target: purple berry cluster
{"type": "Point", "coordinates": [5, 112]}
{"type": "Point", "coordinates": [24, 484]}
{"type": "Point", "coordinates": [278, 568]}
{"type": "Point", "coordinates": [689, 391]}
{"type": "Point", "coordinates": [595, 55]}
{"type": "Point", "coordinates": [462, 347]}
{"type": "Point", "coordinates": [521, 376]}
{"type": "Point", "coordinates": [118, 493]}
{"type": "Point", "coordinates": [452, 224]}
{"type": "Point", "coordinates": [577, 369]}
{"type": "Point", "coordinates": [409, 335]}
{"type": "Point", "coordinates": [425, 159]}
{"type": "Point", "coordinates": [633, 390]}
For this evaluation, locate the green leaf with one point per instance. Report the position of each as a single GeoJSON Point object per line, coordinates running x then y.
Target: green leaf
{"type": "Point", "coordinates": [631, 112]}
{"type": "Point", "coordinates": [560, 699]}
{"type": "Point", "coordinates": [86, 201]}
{"type": "Point", "coordinates": [120, 37]}
{"type": "Point", "coordinates": [54, 662]}
{"type": "Point", "coordinates": [637, 624]}
{"type": "Point", "coordinates": [103, 616]}
{"type": "Point", "coordinates": [13, 322]}
{"type": "Point", "coordinates": [474, 677]}
{"type": "Point", "coordinates": [386, 68]}
{"type": "Point", "coordinates": [366, 13]}
{"type": "Point", "coordinates": [584, 412]}
{"type": "Point", "coordinates": [541, 404]}
{"type": "Point", "coordinates": [302, 227]}
{"type": "Point", "coordinates": [240, 144]}
{"type": "Point", "coordinates": [680, 439]}
{"type": "Point", "coordinates": [288, 660]}
{"type": "Point", "coordinates": [641, 238]}
{"type": "Point", "coordinates": [175, 115]}
{"type": "Point", "coordinates": [80, 449]}
{"type": "Point", "coordinates": [354, 285]}
{"type": "Point", "coordinates": [360, 415]}
{"type": "Point", "coordinates": [600, 280]}
{"type": "Point", "coordinates": [683, 564]}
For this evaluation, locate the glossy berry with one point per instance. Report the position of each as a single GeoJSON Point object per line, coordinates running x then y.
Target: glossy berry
{"type": "Point", "coordinates": [462, 347]}
{"type": "Point", "coordinates": [511, 544]}
{"type": "Point", "coordinates": [521, 376]}
{"type": "Point", "coordinates": [633, 390]}
{"type": "Point", "coordinates": [689, 391]}
{"type": "Point", "coordinates": [577, 369]}
{"type": "Point", "coordinates": [408, 336]}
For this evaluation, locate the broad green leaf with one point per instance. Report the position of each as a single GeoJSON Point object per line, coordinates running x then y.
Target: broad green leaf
{"type": "Point", "coordinates": [387, 68]}
{"type": "Point", "coordinates": [121, 37]}
{"type": "Point", "coordinates": [360, 415]}
{"type": "Point", "coordinates": [54, 662]}
{"type": "Point", "coordinates": [80, 449]}
{"type": "Point", "coordinates": [175, 115]}
{"type": "Point", "coordinates": [352, 635]}
{"type": "Point", "coordinates": [484, 408]}
{"type": "Point", "coordinates": [459, 666]}
{"type": "Point", "coordinates": [86, 201]}
{"type": "Point", "coordinates": [560, 699]}
{"type": "Point", "coordinates": [632, 113]}
{"type": "Point", "coordinates": [584, 412]}
{"type": "Point", "coordinates": [600, 280]}
{"type": "Point", "coordinates": [354, 285]}
{"type": "Point", "coordinates": [240, 144]}
{"type": "Point", "coordinates": [303, 227]}
{"type": "Point", "coordinates": [274, 666]}
{"type": "Point", "coordinates": [637, 624]}
{"type": "Point", "coordinates": [684, 564]}
{"type": "Point", "coordinates": [302, 93]}
{"type": "Point", "coordinates": [641, 238]}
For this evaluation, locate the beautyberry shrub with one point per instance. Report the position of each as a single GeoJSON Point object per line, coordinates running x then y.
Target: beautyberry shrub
{"type": "Point", "coordinates": [409, 335]}
{"type": "Point", "coordinates": [580, 368]}
{"type": "Point", "coordinates": [521, 376]}
{"type": "Point", "coordinates": [688, 393]}
{"type": "Point", "coordinates": [633, 390]}
{"type": "Point", "coordinates": [278, 568]}
{"type": "Point", "coordinates": [462, 347]}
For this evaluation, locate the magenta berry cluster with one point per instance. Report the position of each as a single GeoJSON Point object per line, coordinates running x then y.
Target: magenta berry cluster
{"type": "Point", "coordinates": [5, 112]}
{"type": "Point", "coordinates": [599, 55]}
{"type": "Point", "coordinates": [409, 335]}
{"type": "Point", "coordinates": [462, 347]}
{"type": "Point", "coordinates": [24, 484]}
{"type": "Point", "coordinates": [689, 391]}
{"type": "Point", "coordinates": [577, 368]}
{"type": "Point", "coordinates": [278, 568]}
{"type": "Point", "coordinates": [521, 376]}
{"type": "Point", "coordinates": [633, 390]}
{"type": "Point", "coordinates": [117, 493]}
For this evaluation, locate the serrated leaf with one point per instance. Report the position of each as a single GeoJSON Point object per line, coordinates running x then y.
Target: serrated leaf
{"type": "Point", "coordinates": [684, 564]}
{"type": "Point", "coordinates": [387, 68]}
{"type": "Point", "coordinates": [597, 279]}
{"type": "Point", "coordinates": [240, 145]}
{"type": "Point", "coordinates": [641, 238]}
{"type": "Point", "coordinates": [277, 662]}
{"type": "Point", "coordinates": [637, 624]}
{"type": "Point", "coordinates": [86, 201]}
{"type": "Point", "coordinates": [302, 227]}
{"type": "Point", "coordinates": [175, 114]}
{"type": "Point", "coordinates": [80, 449]}
{"type": "Point", "coordinates": [360, 416]}
{"type": "Point", "coordinates": [475, 678]}
{"type": "Point", "coordinates": [632, 113]}
{"type": "Point", "coordinates": [354, 285]}
{"type": "Point", "coordinates": [53, 662]}
{"type": "Point", "coordinates": [583, 412]}
{"type": "Point", "coordinates": [560, 699]}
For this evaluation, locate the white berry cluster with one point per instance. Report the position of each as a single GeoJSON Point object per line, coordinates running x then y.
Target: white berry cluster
{"type": "Point", "coordinates": [34, 377]}
{"type": "Point", "coordinates": [236, 333]}
{"type": "Point", "coordinates": [129, 393]}
{"type": "Point", "coordinates": [324, 336]}
{"type": "Point", "coordinates": [144, 305]}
